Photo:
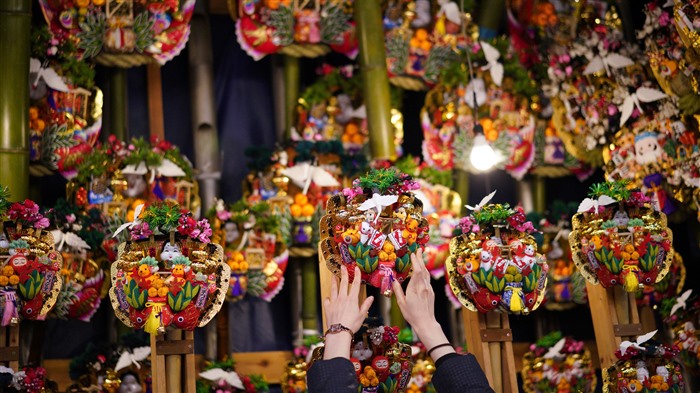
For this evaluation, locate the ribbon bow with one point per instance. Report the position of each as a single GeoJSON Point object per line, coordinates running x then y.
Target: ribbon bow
{"type": "Point", "coordinates": [495, 68]}
{"type": "Point", "coordinates": [637, 344]}
{"type": "Point", "coordinates": [643, 94]}
{"type": "Point", "coordinates": [130, 225]}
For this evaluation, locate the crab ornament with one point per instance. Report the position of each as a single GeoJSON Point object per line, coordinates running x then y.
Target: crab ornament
{"type": "Point", "coordinates": [494, 264]}
{"type": "Point", "coordinates": [558, 364]}
{"type": "Point", "coordinates": [375, 225]}
{"type": "Point", "coordinates": [618, 238]}
{"type": "Point", "coordinates": [254, 250]}
{"type": "Point", "coordinates": [644, 366]}
{"type": "Point", "coordinates": [152, 291]}
{"type": "Point", "coordinates": [382, 363]}
{"type": "Point", "coordinates": [29, 279]}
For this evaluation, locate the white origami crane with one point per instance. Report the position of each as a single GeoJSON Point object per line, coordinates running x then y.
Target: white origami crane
{"type": "Point", "coordinates": [680, 301]}
{"type": "Point", "coordinates": [217, 374]}
{"type": "Point", "coordinates": [589, 203]}
{"type": "Point", "coordinates": [304, 174]}
{"type": "Point", "coordinates": [129, 225]}
{"type": "Point", "coordinates": [495, 68]}
{"type": "Point", "coordinates": [637, 344]}
{"type": "Point", "coordinates": [612, 60]}
{"type": "Point", "coordinates": [475, 93]}
{"type": "Point", "coordinates": [555, 351]}
{"type": "Point", "coordinates": [127, 358]}
{"type": "Point", "coordinates": [483, 202]}
{"type": "Point", "coordinates": [166, 168]}
{"type": "Point", "coordinates": [451, 11]}
{"type": "Point", "coordinates": [643, 94]}
{"type": "Point", "coordinates": [378, 202]}
{"type": "Point", "coordinates": [52, 79]}
{"type": "Point", "coordinates": [71, 239]}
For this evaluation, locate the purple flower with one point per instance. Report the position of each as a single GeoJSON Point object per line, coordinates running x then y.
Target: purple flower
{"type": "Point", "coordinates": [140, 231]}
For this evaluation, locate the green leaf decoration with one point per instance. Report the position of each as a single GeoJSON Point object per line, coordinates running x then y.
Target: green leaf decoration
{"type": "Point", "coordinates": [618, 190]}
{"type": "Point", "coordinates": [91, 38]}
{"type": "Point", "coordinates": [438, 58]}
{"type": "Point", "coordinates": [403, 263]}
{"type": "Point", "coordinates": [647, 261]}
{"type": "Point", "coordinates": [352, 250]}
{"type": "Point", "coordinates": [143, 29]}
{"type": "Point", "coordinates": [53, 138]}
{"type": "Point", "coordinates": [397, 49]}
{"type": "Point", "coordinates": [282, 19]}
{"type": "Point", "coordinates": [334, 23]}
{"type": "Point", "coordinates": [388, 386]}
{"type": "Point", "coordinates": [179, 302]}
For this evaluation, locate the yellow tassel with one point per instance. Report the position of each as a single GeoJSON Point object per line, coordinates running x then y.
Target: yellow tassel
{"type": "Point", "coordinates": [516, 302]}
{"type": "Point", "coordinates": [631, 281]}
{"type": "Point", "coordinates": [153, 321]}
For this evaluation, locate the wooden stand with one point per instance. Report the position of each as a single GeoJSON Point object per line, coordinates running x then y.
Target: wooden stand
{"type": "Point", "coordinates": [9, 346]}
{"type": "Point", "coordinates": [173, 357]}
{"type": "Point", "coordinates": [490, 340]}
{"type": "Point", "coordinates": [615, 318]}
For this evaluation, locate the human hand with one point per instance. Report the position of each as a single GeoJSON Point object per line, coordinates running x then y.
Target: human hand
{"type": "Point", "coordinates": [417, 305]}
{"type": "Point", "coordinates": [342, 308]}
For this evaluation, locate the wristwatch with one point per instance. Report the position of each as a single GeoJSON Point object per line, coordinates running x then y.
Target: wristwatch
{"type": "Point", "coordinates": [337, 328]}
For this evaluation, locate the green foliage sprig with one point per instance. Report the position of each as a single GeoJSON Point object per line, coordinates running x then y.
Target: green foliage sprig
{"type": "Point", "coordinates": [618, 190]}
{"type": "Point", "coordinates": [4, 200]}
{"type": "Point", "coordinates": [493, 213]}
{"type": "Point", "coordinates": [162, 215]}
{"type": "Point", "coordinates": [328, 85]}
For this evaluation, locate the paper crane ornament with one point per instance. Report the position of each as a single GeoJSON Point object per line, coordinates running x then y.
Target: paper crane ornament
{"type": "Point", "coordinates": [129, 225]}
{"type": "Point", "coordinates": [494, 66]}
{"type": "Point", "coordinates": [378, 202]}
{"type": "Point", "coordinates": [612, 60]}
{"type": "Point", "coordinates": [48, 75]}
{"type": "Point", "coordinates": [595, 204]}
{"type": "Point", "coordinates": [217, 374]}
{"type": "Point", "coordinates": [681, 301]}
{"type": "Point", "coordinates": [166, 168]}
{"type": "Point", "coordinates": [637, 344]}
{"type": "Point", "coordinates": [475, 93]}
{"type": "Point", "coordinates": [485, 200]}
{"type": "Point", "coordinates": [555, 351]}
{"type": "Point", "coordinates": [127, 358]}
{"type": "Point", "coordinates": [643, 94]}
{"type": "Point", "coordinates": [71, 239]}
{"type": "Point", "coordinates": [304, 174]}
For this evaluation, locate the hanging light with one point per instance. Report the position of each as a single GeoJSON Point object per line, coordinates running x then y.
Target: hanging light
{"type": "Point", "coordinates": [482, 156]}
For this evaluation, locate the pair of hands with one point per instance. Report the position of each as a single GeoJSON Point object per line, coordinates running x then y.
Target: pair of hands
{"type": "Point", "coordinates": [417, 305]}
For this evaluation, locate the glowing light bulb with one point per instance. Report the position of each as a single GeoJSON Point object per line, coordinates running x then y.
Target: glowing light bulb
{"type": "Point", "coordinates": [482, 157]}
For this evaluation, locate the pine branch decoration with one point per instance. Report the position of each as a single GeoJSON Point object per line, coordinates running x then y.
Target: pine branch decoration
{"type": "Point", "coordinates": [4, 200]}
{"type": "Point", "coordinates": [54, 138]}
{"type": "Point", "coordinates": [92, 35]}
{"type": "Point", "coordinates": [282, 20]}
{"type": "Point", "coordinates": [257, 282]}
{"type": "Point", "coordinates": [437, 59]}
{"type": "Point", "coordinates": [334, 22]}
{"type": "Point", "coordinates": [397, 48]}
{"type": "Point", "coordinates": [143, 28]}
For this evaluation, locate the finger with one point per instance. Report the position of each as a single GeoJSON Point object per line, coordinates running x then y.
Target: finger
{"type": "Point", "coordinates": [343, 281]}
{"type": "Point", "coordinates": [326, 303]}
{"type": "Point", "coordinates": [355, 288]}
{"type": "Point", "coordinates": [364, 308]}
{"type": "Point", "coordinates": [398, 292]}
{"type": "Point", "coordinates": [334, 288]}
{"type": "Point", "coordinates": [417, 263]}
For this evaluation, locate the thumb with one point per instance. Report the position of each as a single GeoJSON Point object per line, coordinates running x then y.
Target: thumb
{"type": "Point", "coordinates": [326, 303]}
{"type": "Point", "coordinates": [364, 308]}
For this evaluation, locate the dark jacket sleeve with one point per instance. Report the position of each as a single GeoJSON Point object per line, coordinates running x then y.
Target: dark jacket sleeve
{"type": "Point", "coordinates": [460, 374]}
{"type": "Point", "coordinates": [332, 376]}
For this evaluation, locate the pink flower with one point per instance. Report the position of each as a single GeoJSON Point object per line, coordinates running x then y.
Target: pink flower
{"type": "Point", "coordinates": [223, 215]}
{"type": "Point", "coordinates": [70, 218]}
{"type": "Point", "coordinates": [41, 223]}
{"type": "Point", "coordinates": [202, 232]}
{"type": "Point", "coordinates": [569, 70]}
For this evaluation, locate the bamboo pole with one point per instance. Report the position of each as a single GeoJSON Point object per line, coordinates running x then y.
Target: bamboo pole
{"type": "Point", "coordinates": [15, 20]}
{"type": "Point", "coordinates": [204, 130]}
{"type": "Point", "coordinates": [118, 104]}
{"type": "Point", "coordinates": [540, 195]}
{"type": "Point", "coordinates": [309, 274]}
{"type": "Point", "coordinates": [462, 187]}
{"type": "Point", "coordinates": [490, 17]}
{"type": "Point", "coordinates": [156, 123]}
{"type": "Point", "coordinates": [291, 92]}
{"type": "Point", "coordinates": [375, 81]}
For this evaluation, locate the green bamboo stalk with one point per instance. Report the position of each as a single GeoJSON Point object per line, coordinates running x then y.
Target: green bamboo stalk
{"type": "Point", "coordinates": [15, 21]}
{"type": "Point", "coordinates": [490, 16]}
{"type": "Point", "coordinates": [310, 279]}
{"type": "Point", "coordinates": [291, 92]}
{"type": "Point", "coordinates": [540, 194]}
{"type": "Point", "coordinates": [462, 187]}
{"type": "Point", "coordinates": [117, 104]}
{"type": "Point", "coordinates": [375, 81]}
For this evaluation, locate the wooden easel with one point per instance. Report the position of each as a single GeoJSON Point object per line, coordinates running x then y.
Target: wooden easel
{"type": "Point", "coordinates": [615, 318]}
{"type": "Point", "coordinates": [9, 346]}
{"type": "Point", "coordinates": [173, 362]}
{"type": "Point", "coordinates": [490, 340]}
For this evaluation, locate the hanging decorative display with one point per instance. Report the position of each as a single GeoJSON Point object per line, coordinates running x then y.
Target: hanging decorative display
{"type": "Point", "coordinates": [494, 264]}
{"type": "Point", "coordinates": [419, 44]}
{"type": "Point", "coordinates": [382, 363]}
{"type": "Point", "coordinates": [618, 238]}
{"type": "Point", "coordinates": [254, 249]}
{"type": "Point", "coordinates": [79, 237]}
{"type": "Point", "coordinates": [676, 64]}
{"type": "Point", "coordinates": [484, 107]}
{"type": "Point", "coordinates": [30, 282]}
{"type": "Point", "coordinates": [299, 28]}
{"type": "Point", "coordinates": [116, 174]}
{"type": "Point", "coordinates": [376, 225]}
{"type": "Point", "coordinates": [121, 33]}
{"type": "Point", "coordinates": [551, 157]}
{"type": "Point", "coordinates": [644, 366]}
{"type": "Point", "coordinates": [566, 287]}
{"type": "Point", "coordinates": [558, 364]}
{"type": "Point", "coordinates": [681, 316]}
{"type": "Point", "coordinates": [220, 377]}
{"type": "Point", "coordinates": [168, 273]}
{"type": "Point", "coordinates": [65, 114]}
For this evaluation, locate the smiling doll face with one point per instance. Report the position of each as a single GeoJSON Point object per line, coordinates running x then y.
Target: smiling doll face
{"type": "Point", "coordinates": [170, 251]}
